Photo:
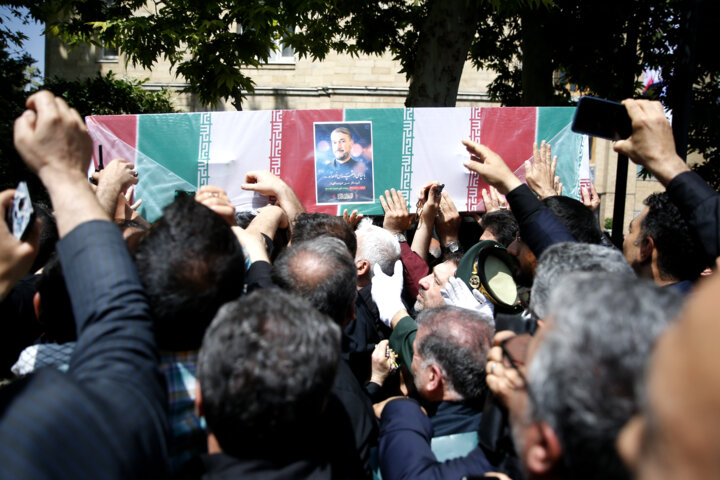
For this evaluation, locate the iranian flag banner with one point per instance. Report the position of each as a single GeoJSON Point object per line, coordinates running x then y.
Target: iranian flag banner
{"type": "Point", "coordinates": [334, 159]}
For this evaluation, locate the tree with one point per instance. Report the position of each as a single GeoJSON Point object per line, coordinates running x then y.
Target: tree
{"type": "Point", "coordinates": [209, 42]}
{"type": "Point", "coordinates": [100, 95]}
{"type": "Point", "coordinates": [108, 95]}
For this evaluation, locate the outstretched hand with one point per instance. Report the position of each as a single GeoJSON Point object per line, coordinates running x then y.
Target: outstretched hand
{"type": "Point", "coordinates": [590, 197]}
{"type": "Point", "coordinates": [491, 167]}
{"type": "Point", "coordinates": [651, 144]}
{"type": "Point", "coordinates": [493, 200]}
{"type": "Point", "coordinates": [397, 219]}
{"type": "Point", "coordinates": [540, 173]}
{"type": "Point", "coordinates": [353, 218]}
{"type": "Point", "coordinates": [217, 200]}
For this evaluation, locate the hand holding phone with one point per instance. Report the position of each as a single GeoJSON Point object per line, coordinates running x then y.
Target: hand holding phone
{"type": "Point", "coordinates": [602, 118]}
{"type": "Point", "coordinates": [16, 257]}
{"type": "Point", "coordinates": [22, 215]}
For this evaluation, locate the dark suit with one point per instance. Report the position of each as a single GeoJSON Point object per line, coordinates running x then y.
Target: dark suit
{"type": "Point", "coordinates": [106, 417]}
{"type": "Point", "coordinates": [405, 433]}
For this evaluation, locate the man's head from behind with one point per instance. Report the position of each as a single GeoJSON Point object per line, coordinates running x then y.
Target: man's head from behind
{"type": "Point", "coordinates": [583, 373]}
{"type": "Point", "coordinates": [376, 246]}
{"type": "Point", "coordinates": [450, 353]}
{"type": "Point", "coordinates": [266, 366]}
{"type": "Point", "coordinates": [659, 239]}
{"type": "Point", "coordinates": [323, 272]}
{"type": "Point", "coordinates": [499, 226]}
{"type": "Point", "coordinates": [342, 144]}
{"type": "Point", "coordinates": [577, 218]}
{"type": "Point", "coordinates": [190, 263]}
{"type": "Point", "coordinates": [308, 226]}
{"type": "Point", "coordinates": [562, 259]}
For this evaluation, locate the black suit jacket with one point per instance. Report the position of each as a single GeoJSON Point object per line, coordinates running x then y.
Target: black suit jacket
{"type": "Point", "coordinates": [104, 418]}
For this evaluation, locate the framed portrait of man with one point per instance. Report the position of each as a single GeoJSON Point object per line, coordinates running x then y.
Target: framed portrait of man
{"type": "Point", "coordinates": [343, 162]}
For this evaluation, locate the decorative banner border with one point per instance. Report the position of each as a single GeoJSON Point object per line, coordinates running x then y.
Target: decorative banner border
{"type": "Point", "coordinates": [204, 154]}
{"type": "Point", "coordinates": [276, 141]}
{"type": "Point", "coordinates": [473, 187]}
{"type": "Point", "coordinates": [407, 154]}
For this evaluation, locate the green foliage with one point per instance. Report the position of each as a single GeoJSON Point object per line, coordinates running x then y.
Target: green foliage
{"type": "Point", "coordinates": [100, 95]}
{"type": "Point", "coordinates": [15, 75]}
{"type": "Point", "coordinates": [108, 95]}
{"type": "Point", "coordinates": [608, 223]}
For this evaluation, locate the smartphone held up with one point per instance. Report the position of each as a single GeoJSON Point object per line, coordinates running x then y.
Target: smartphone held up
{"type": "Point", "coordinates": [602, 118]}
{"type": "Point", "coordinates": [22, 215]}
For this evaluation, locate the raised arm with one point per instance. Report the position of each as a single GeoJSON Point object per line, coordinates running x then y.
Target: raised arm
{"type": "Point", "coordinates": [652, 146]}
{"type": "Point", "coordinates": [428, 205]}
{"type": "Point", "coordinates": [538, 226]}
{"type": "Point", "coordinates": [115, 390]}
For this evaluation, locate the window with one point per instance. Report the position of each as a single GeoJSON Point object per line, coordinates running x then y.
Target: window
{"type": "Point", "coordinates": [107, 54]}
{"type": "Point", "coordinates": [283, 55]}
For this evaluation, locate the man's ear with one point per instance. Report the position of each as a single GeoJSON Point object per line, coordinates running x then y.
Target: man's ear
{"type": "Point", "coordinates": [629, 439]}
{"type": "Point", "coordinates": [543, 450]}
{"type": "Point", "coordinates": [435, 379]}
{"type": "Point", "coordinates": [363, 267]}
{"type": "Point", "coordinates": [198, 400]}
{"type": "Point", "coordinates": [647, 245]}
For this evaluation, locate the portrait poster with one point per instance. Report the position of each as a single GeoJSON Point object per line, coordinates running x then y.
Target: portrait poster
{"type": "Point", "coordinates": [343, 163]}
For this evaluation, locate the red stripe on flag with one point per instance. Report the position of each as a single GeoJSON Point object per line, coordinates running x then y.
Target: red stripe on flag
{"type": "Point", "coordinates": [509, 132]}
{"type": "Point", "coordinates": [297, 167]}
{"type": "Point", "coordinates": [116, 133]}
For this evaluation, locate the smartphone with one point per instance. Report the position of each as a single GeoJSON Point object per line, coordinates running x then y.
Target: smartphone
{"type": "Point", "coordinates": [602, 118]}
{"type": "Point", "coordinates": [22, 214]}
{"type": "Point", "coordinates": [438, 191]}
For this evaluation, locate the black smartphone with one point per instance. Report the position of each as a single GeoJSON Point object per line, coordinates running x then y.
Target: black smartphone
{"type": "Point", "coordinates": [22, 214]}
{"type": "Point", "coordinates": [602, 118]}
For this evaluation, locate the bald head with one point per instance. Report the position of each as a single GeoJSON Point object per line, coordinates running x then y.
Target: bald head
{"type": "Point", "coordinates": [322, 271]}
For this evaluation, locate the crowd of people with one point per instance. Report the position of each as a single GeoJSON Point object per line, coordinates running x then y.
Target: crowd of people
{"type": "Point", "coordinates": [281, 344]}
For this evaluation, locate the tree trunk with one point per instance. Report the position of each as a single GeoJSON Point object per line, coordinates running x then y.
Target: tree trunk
{"type": "Point", "coordinates": [442, 49]}
{"type": "Point", "coordinates": [537, 59]}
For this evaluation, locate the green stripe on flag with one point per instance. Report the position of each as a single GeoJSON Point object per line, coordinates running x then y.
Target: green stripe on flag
{"type": "Point", "coordinates": [388, 136]}
{"type": "Point", "coordinates": [553, 126]}
{"type": "Point", "coordinates": [168, 150]}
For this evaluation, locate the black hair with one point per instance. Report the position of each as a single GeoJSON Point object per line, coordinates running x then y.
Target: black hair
{"type": "Point", "coordinates": [312, 225]}
{"type": "Point", "coordinates": [679, 256]}
{"type": "Point", "coordinates": [502, 224]}
{"type": "Point", "coordinates": [577, 218]}
{"type": "Point", "coordinates": [48, 235]}
{"type": "Point", "coordinates": [266, 366]}
{"type": "Point", "coordinates": [190, 263]}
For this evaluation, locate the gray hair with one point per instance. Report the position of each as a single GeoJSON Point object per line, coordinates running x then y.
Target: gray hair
{"type": "Point", "coordinates": [377, 246]}
{"type": "Point", "coordinates": [457, 341]}
{"type": "Point", "coordinates": [584, 377]}
{"type": "Point", "coordinates": [564, 258]}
